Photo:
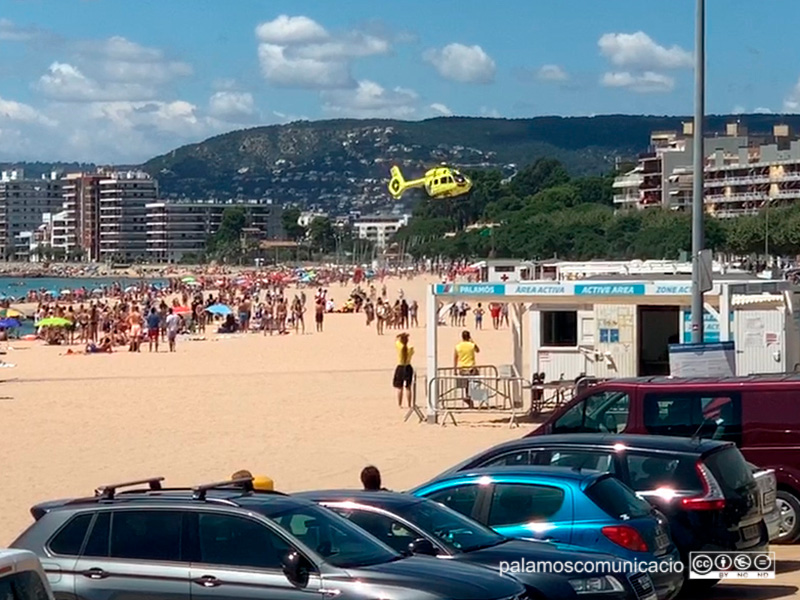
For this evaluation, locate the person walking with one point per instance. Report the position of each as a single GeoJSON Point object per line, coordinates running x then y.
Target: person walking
{"type": "Point", "coordinates": [403, 372]}
{"type": "Point", "coordinates": [172, 325]}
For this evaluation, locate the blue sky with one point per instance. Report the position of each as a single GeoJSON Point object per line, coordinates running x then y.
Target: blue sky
{"type": "Point", "coordinates": [123, 80]}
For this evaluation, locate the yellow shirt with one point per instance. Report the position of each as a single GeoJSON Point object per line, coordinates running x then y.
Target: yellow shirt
{"type": "Point", "coordinates": [410, 354]}
{"type": "Point", "coordinates": [466, 354]}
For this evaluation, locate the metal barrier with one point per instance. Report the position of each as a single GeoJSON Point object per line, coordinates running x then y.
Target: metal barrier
{"type": "Point", "coordinates": [478, 394]}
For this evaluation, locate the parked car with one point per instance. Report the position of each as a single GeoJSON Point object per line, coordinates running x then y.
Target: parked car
{"type": "Point", "coordinates": [22, 576]}
{"type": "Point", "coordinates": [419, 525]}
{"type": "Point", "coordinates": [705, 488]}
{"type": "Point", "coordinates": [575, 506]}
{"type": "Point", "coordinates": [225, 541]}
{"type": "Point", "coordinates": [758, 413]}
{"type": "Point", "coordinates": [767, 494]}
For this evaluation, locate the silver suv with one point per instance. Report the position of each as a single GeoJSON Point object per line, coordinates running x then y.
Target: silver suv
{"type": "Point", "coordinates": [225, 541]}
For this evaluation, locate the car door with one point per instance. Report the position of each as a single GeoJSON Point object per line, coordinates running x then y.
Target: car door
{"type": "Point", "coordinates": [466, 498]}
{"type": "Point", "coordinates": [133, 554]}
{"type": "Point", "coordinates": [530, 511]}
{"type": "Point", "coordinates": [237, 557]}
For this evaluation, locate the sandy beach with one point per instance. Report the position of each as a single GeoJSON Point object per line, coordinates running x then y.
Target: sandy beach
{"type": "Point", "coordinates": [308, 410]}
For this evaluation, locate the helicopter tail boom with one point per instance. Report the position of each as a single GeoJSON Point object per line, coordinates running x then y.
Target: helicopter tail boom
{"type": "Point", "coordinates": [398, 183]}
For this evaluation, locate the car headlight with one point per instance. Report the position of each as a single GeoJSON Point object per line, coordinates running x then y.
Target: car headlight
{"type": "Point", "coordinates": [596, 585]}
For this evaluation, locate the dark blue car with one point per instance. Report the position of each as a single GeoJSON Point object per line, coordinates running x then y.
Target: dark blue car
{"type": "Point", "coordinates": [582, 508]}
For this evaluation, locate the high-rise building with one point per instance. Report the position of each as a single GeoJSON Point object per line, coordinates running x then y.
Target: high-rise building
{"type": "Point", "coordinates": [23, 202]}
{"type": "Point", "coordinates": [179, 229]}
{"type": "Point", "coordinates": [82, 214]}
{"type": "Point", "coordinates": [124, 198]}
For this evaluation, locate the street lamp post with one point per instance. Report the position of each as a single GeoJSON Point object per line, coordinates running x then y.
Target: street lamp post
{"type": "Point", "coordinates": [698, 177]}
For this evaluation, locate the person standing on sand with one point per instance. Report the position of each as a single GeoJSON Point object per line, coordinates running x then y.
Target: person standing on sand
{"type": "Point", "coordinates": [464, 363]}
{"type": "Point", "coordinates": [319, 314]}
{"type": "Point", "coordinates": [371, 479]}
{"type": "Point", "coordinates": [135, 326]}
{"type": "Point", "coordinates": [479, 312]}
{"type": "Point", "coordinates": [403, 372]}
{"type": "Point", "coordinates": [153, 329]}
{"type": "Point", "coordinates": [172, 324]}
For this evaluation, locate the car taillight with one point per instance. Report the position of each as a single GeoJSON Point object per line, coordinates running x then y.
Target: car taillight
{"type": "Point", "coordinates": [625, 536]}
{"type": "Point", "coordinates": [712, 498]}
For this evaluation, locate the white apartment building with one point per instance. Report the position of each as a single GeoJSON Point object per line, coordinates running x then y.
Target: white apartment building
{"type": "Point", "coordinates": [178, 229]}
{"type": "Point", "coordinates": [379, 229]}
{"type": "Point", "coordinates": [743, 173]}
{"type": "Point", "coordinates": [124, 198]}
{"type": "Point", "coordinates": [23, 202]}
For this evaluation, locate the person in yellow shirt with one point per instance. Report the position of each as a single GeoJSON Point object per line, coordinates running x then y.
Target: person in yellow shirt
{"type": "Point", "coordinates": [404, 372]}
{"type": "Point", "coordinates": [464, 361]}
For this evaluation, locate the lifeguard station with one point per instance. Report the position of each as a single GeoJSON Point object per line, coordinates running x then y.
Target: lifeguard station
{"type": "Point", "coordinates": [605, 327]}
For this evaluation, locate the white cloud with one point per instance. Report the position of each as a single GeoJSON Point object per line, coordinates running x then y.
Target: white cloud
{"type": "Point", "coordinates": [792, 102]}
{"type": "Point", "coordinates": [639, 51]}
{"type": "Point", "coordinates": [236, 107]}
{"type": "Point", "coordinates": [441, 109]}
{"type": "Point", "coordinates": [492, 113]}
{"type": "Point", "coordinates": [552, 73]}
{"type": "Point", "coordinates": [647, 82]}
{"type": "Point", "coordinates": [22, 113]}
{"type": "Point", "coordinates": [762, 110]}
{"type": "Point", "coordinates": [309, 73]}
{"type": "Point", "coordinates": [286, 30]}
{"type": "Point", "coordinates": [66, 83]}
{"type": "Point", "coordinates": [371, 100]}
{"type": "Point", "coordinates": [298, 52]}
{"type": "Point", "coordinates": [464, 64]}
{"type": "Point", "coordinates": [738, 110]}
{"type": "Point", "coordinates": [10, 32]}
{"type": "Point", "coordinates": [119, 59]}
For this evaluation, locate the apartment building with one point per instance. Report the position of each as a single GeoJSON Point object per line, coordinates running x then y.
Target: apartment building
{"type": "Point", "coordinates": [379, 229]}
{"type": "Point", "coordinates": [23, 202]}
{"type": "Point", "coordinates": [124, 197]}
{"type": "Point", "coordinates": [81, 218]}
{"type": "Point", "coordinates": [179, 229]}
{"type": "Point", "coordinates": [743, 173]}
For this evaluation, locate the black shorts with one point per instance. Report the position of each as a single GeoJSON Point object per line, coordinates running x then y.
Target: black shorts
{"type": "Point", "coordinates": [403, 376]}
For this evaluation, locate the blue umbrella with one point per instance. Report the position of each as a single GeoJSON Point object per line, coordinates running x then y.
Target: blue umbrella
{"type": "Point", "coordinates": [8, 323]}
{"type": "Point", "coordinates": [51, 293]}
{"type": "Point", "coordinates": [219, 309]}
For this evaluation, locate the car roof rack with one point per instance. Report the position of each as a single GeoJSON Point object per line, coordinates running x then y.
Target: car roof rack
{"type": "Point", "coordinates": [107, 492]}
{"type": "Point", "coordinates": [244, 484]}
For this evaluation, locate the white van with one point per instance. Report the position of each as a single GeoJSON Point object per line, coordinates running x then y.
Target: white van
{"type": "Point", "coordinates": [22, 577]}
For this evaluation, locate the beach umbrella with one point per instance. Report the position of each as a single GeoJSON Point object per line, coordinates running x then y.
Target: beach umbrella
{"type": "Point", "coordinates": [97, 291]}
{"type": "Point", "coordinates": [54, 322]}
{"type": "Point", "coordinates": [11, 313]}
{"type": "Point", "coordinates": [193, 284]}
{"type": "Point", "coordinates": [130, 288]}
{"type": "Point", "coordinates": [188, 279]}
{"type": "Point", "coordinates": [66, 292]}
{"type": "Point", "coordinates": [219, 309]}
{"type": "Point", "coordinates": [7, 323]}
{"type": "Point", "coordinates": [51, 293]}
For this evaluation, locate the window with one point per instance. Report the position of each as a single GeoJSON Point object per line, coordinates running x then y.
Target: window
{"type": "Point", "coordinates": [514, 503]}
{"type": "Point", "coordinates": [25, 585]}
{"type": "Point", "coordinates": [69, 539]}
{"type": "Point", "coordinates": [617, 500]}
{"type": "Point", "coordinates": [580, 459]}
{"type": "Point", "coordinates": [601, 412]}
{"type": "Point", "coordinates": [239, 542]}
{"type": "Point", "coordinates": [729, 469]}
{"type": "Point", "coordinates": [559, 328]}
{"type": "Point", "coordinates": [146, 535]}
{"type": "Point", "coordinates": [97, 544]}
{"type": "Point", "coordinates": [460, 498]}
{"type": "Point", "coordinates": [511, 459]}
{"type": "Point", "coordinates": [649, 472]}
{"type": "Point", "coordinates": [453, 529]}
{"type": "Point", "coordinates": [390, 531]}
{"type": "Point", "coordinates": [716, 416]}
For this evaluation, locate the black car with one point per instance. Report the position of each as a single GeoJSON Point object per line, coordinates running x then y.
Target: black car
{"type": "Point", "coordinates": [704, 487]}
{"type": "Point", "coordinates": [419, 525]}
{"type": "Point", "coordinates": [225, 541]}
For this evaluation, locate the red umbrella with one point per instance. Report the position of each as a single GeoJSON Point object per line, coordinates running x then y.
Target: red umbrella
{"type": "Point", "coordinates": [182, 310]}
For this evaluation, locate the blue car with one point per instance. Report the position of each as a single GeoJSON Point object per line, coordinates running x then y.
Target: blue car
{"type": "Point", "coordinates": [578, 507]}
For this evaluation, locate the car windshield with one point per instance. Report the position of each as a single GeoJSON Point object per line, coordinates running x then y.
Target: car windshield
{"type": "Point", "coordinates": [335, 539]}
{"type": "Point", "coordinates": [453, 529]}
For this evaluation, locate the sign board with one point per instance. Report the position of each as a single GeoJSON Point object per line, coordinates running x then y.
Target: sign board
{"type": "Point", "coordinates": [567, 288]}
{"type": "Point", "coordinates": [711, 328]}
{"type": "Point", "coordinates": [702, 360]}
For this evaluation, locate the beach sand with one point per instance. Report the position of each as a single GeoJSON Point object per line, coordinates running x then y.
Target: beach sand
{"type": "Point", "coordinates": [308, 410]}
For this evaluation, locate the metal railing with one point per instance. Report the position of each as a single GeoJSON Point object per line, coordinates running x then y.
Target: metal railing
{"type": "Point", "coordinates": [478, 394]}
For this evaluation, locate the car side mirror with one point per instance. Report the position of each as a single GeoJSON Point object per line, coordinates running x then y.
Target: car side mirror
{"type": "Point", "coordinates": [423, 546]}
{"type": "Point", "coordinates": [295, 568]}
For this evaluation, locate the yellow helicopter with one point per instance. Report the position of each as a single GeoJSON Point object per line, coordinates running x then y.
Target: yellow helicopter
{"type": "Point", "coordinates": [439, 182]}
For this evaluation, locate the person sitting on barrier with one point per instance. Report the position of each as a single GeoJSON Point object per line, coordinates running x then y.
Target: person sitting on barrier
{"type": "Point", "coordinates": [403, 372]}
{"type": "Point", "coordinates": [464, 361]}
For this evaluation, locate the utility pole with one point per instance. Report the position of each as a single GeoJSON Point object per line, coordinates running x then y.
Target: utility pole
{"type": "Point", "coordinates": [698, 207]}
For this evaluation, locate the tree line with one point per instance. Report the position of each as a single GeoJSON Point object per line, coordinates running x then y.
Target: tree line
{"type": "Point", "coordinates": [544, 213]}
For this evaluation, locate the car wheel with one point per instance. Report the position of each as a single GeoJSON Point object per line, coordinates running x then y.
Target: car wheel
{"type": "Point", "coordinates": [789, 526]}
